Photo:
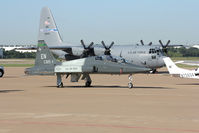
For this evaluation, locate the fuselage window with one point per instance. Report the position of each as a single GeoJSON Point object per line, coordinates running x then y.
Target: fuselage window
{"type": "Point", "coordinates": [149, 51]}
{"type": "Point", "coordinates": [158, 52]}
{"type": "Point", "coordinates": [152, 51]}
{"type": "Point", "coordinates": [153, 57]}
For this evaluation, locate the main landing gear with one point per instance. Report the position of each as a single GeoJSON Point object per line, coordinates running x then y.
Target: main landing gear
{"type": "Point", "coordinates": [130, 84]}
{"type": "Point", "coordinates": [88, 83]}
{"type": "Point", "coordinates": [88, 80]}
{"type": "Point", "coordinates": [153, 71]}
{"type": "Point", "coordinates": [85, 77]}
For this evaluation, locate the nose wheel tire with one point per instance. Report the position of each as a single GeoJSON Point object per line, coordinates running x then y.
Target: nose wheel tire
{"type": "Point", "coordinates": [60, 85]}
{"type": "Point", "coordinates": [130, 85]}
{"type": "Point", "coordinates": [153, 71]}
{"type": "Point", "coordinates": [88, 83]}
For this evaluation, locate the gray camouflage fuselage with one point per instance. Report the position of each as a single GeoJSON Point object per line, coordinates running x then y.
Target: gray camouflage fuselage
{"type": "Point", "coordinates": [147, 56]}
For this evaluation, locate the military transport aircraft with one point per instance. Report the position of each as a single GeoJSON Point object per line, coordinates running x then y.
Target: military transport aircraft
{"type": "Point", "coordinates": [150, 56]}
{"type": "Point", "coordinates": [46, 64]}
{"type": "Point", "coordinates": [180, 72]}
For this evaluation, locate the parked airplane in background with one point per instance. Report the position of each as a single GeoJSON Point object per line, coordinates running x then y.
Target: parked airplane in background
{"type": "Point", "coordinates": [180, 72]}
{"type": "Point", "coordinates": [150, 56]}
{"type": "Point", "coordinates": [17, 48]}
{"type": "Point", "coordinates": [188, 62]}
{"type": "Point", "coordinates": [46, 64]}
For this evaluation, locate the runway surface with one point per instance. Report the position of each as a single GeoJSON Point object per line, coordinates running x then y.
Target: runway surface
{"type": "Point", "coordinates": [157, 104]}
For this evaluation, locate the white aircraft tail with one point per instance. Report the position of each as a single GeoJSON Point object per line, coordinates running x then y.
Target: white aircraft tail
{"type": "Point", "coordinates": [171, 66]}
{"type": "Point", "coordinates": [47, 28]}
{"type": "Point", "coordinates": [183, 73]}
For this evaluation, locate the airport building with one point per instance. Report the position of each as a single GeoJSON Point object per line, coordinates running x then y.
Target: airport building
{"type": "Point", "coordinates": [13, 47]}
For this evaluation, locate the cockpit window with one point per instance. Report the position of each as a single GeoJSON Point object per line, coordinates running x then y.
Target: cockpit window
{"type": "Point", "coordinates": [111, 58]}
{"type": "Point", "coordinates": [153, 51]}
{"type": "Point", "coordinates": [150, 51]}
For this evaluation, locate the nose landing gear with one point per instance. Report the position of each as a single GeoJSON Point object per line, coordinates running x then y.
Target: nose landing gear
{"type": "Point", "coordinates": [130, 84]}
{"type": "Point", "coordinates": [153, 71]}
{"type": "Point", "coordinates": [59, 81]}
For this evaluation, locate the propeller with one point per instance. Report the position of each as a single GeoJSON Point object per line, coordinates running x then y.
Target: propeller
{"type": "Point", "coordinates": [164, 47]}
{"type": "Point", "coordinates": [107, 49]}
{"type": "Point", "coordinates": [88, 51]}
{"type": "Point", "coordinates": [141, 41]}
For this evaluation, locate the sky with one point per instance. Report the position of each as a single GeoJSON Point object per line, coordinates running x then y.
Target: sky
{"type": "Point", "coordinates": [121, 21]}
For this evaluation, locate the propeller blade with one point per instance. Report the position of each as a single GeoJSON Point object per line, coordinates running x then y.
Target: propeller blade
{"type": "Point", "coordinates": [83, 44]}
{"type": "Point", "coordinates": [111, 45]}
{"type": "Point", "coordinates": [104, 45]}
{"type": "Point", "coordinates": [142, 42]}
{"type": "Point", "coordinates": [168, 43]}
{"type": "Point", "coordinates": [150, 43]}
{"type": "Point", "coordinates": [161, 43]}
{"type": "Point", "coordinates": [91, 45]}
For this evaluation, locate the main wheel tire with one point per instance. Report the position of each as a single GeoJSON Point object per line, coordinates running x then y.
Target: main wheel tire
{"type": "Point", "coordinates": [1, 73]}
{"type": "Point", "coordinates": [88, 83]}
{"type": "Point", "coordinates": [130, 85]}
{"type": "Point", "coordinates": [153, 71]}
{"type": "Point", "coordinates": [60, 85]}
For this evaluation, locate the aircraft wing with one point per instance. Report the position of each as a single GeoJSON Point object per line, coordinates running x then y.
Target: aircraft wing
{"type": "Point", "coordinates": [175, 45]}
{"type": "Point", "coordinates": [186, 62]}
{"type": "Point", "coordinates": [50, 47]}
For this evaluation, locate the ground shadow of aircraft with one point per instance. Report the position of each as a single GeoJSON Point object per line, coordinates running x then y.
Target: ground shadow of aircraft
{"type": "Point", "coordinates": [103, 86]}
{"type": "Point", "coordinates": [8, 91]}
{"type": "Point", "coordinates": [189, 84]}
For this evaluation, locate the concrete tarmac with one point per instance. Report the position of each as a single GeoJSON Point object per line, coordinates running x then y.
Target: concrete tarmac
{"type": "Point", "coordinates": [157, 104]}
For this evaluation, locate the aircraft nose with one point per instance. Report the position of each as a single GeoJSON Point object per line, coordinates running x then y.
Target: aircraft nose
{"type": "Point", "coordinates": [161, 61]}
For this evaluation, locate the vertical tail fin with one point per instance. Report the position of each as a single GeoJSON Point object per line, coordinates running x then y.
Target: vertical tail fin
{"type": "Point", "coordinates": [47, 28]}
{"type": "Point", "coordinates": [44, 62]}
{"type": "Point", "coordinates": [44, 58]}
{"type": "Point", "coordinates": [172, 68]}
